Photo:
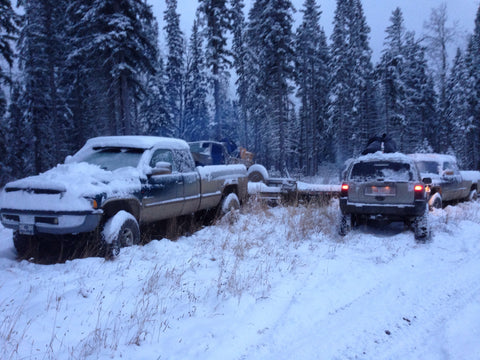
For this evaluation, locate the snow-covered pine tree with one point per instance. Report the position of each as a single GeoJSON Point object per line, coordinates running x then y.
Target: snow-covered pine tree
{"type": "Point", "coordinates": [276, 75]}
{"type": "Point", "coordinates": [420, 100]}
{"type": "Point", "coordinates": [154, 117]}
{"type": "Point", "coordinates": [457, 111]}
{"type": "Point", "coordinates": [175, 66]}
{"type": "Point", "coordinates": [473, 66]}
{"type": "Point", "coordinates": [196, 108]}
{"type": "Point", "coordinates": [88, 115]}
{"type": "Point", "coordinates": [240, 55]}
{"type": "Point", "coordinates": [216, 19]}
{"type": "Point", "coordinates": [390, 79]}
{"type": "Point", "coordinates": [352, 104]}
{"type": "Point", "coordinates": [9, 23]}
{"type": "Point", "coordinates": [311, 62]}
{"type": "Point", "coordinates": [110, 43]}
{"type": "Point", "coordinates": [41, 60]}
{"type": "Point", "coordinates": [18, 137]}
{"type": "Point", "coordinates": [406, 96]}
{"type": "Point", "coordinates": [363, 87]}
{"type": "Point", "coordinates": [438, 37]}
{"type": "Point", "coordinates": [255, 95]}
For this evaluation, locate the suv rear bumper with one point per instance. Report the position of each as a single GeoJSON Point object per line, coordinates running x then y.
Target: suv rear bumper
{"type": "Point", "coordinates": [48, 222]}
{"type": "Point", "coordinates": [388, 210]}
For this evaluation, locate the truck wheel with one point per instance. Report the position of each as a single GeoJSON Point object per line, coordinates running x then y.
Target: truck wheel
{"type": "Point", "coordinates": [435, 201]}
{"type": "Point", "coordinates": [120, 231]}
{"type": "Point", "coordinates": [257, 173]}
{"type": "Point", "coordinates": [421, 228]}
{"type": "Point", "coordinates": [229, 203]}
{"type": "Point", "coordinates": [25, 245]}
{"type": "Point", "coordinates": [345, 224]}
{"type": "Point", "coordinates": [473, 196]}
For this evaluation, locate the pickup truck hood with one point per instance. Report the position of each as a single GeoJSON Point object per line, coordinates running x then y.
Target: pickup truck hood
{"type": "Point", "coordinates": [68, 187]}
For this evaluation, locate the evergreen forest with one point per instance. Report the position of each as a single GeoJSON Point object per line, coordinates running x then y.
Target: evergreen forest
{"type": "Point", "coordinates": [299, 100]}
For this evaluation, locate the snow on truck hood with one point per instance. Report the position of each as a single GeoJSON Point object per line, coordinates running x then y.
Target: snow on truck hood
{"type": "Point", "coordinates": [67, 187]}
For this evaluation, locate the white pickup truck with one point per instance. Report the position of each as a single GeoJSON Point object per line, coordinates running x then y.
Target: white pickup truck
{"type": "Point", "coordinates": [449, 184]}
{"type": "Point", "coordinates": [111, 188]}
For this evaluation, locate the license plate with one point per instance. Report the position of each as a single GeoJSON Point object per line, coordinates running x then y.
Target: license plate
{"type": "Point", "coordinates": [380, 191]}
{"type": "Point", "coordinates": [26, 229]}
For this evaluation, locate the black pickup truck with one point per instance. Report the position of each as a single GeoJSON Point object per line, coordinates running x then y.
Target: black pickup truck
{"type": "Point", "coordinates": [112, 187]}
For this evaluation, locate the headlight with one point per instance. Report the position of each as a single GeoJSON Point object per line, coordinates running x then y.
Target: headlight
{"type": "Point", "coordinates": [93, 203]}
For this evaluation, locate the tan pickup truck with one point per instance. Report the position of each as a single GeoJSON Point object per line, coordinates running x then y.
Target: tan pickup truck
{"type": "Point", "coordinates": [449, 184]}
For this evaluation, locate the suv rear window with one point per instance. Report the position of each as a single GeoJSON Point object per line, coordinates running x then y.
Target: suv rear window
{"type": "Point", "coordinates": [381, 170]}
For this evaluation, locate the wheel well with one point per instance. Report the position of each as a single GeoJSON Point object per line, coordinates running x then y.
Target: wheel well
{"type": "Point", "coordinates": [131, 206]}
{"type": "Point", "coordinates": [230, 189]}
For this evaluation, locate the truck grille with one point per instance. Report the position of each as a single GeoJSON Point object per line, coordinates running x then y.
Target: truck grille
{"type": "Point", "coordinates": [34, 191]}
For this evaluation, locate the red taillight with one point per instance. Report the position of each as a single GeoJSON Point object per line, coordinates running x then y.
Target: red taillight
{"type": "Point", "coordinates": [419, 192]}
{"type": "Point", "coordinates": [418, 188]}
{"type": "Point", "coordinates": [344, 190]}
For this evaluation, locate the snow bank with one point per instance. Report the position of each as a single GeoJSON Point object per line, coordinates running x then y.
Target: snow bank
{"type": "Point", "coordinates": [277, 284]}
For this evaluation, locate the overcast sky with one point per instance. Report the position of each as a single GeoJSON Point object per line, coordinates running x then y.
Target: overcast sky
{"type": "Point", "coordinates": [378, 13]}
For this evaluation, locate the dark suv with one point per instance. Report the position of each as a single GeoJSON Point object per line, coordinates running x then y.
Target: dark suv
{"type": "Point", "coordinates": [384, 186]}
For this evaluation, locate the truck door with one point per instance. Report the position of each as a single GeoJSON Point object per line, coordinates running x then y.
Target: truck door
{"type": "Point", "coordinates": [450, 188]}
{"type": "Point", "coordinates": [163, 197]}
{"type": "Point", "coordinates": [191, 181]}
{"type": "Point", "coordinates": [463, 187]}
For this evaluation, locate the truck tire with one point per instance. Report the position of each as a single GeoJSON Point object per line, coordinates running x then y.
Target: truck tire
{"type": "Point", "coordinates": [229, 203]}
{"type": "Point", "coordinates": [120, 231]}
{"type": "Point", "coordinates": [421, 228]}
{"type": "Point", "coordinates": [473, 196]}
{"type": "Point", "coordinates": [435, 202]}
{"type": "Point", "coordinates": [257, 173]}
{"type": "Point", "coordinates": [345, 224]}
{"type": "Point", "coordinates": [25, 245]}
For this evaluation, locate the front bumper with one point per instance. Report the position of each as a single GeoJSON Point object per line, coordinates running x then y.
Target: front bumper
{"type": "Point", "coordinates": [48, 222]}
{"type": "Point", "coordinates": [387, 210]}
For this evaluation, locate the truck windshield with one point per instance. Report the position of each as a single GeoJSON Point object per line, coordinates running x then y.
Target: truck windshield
{"type": "Point", "coordinates": [430, 167]}
{"type": "Point", "coordinates": [384, 171]}
{"type": "Point", "coordinates": [113, 158]}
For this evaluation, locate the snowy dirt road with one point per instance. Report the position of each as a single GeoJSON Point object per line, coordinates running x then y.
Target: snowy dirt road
{"type": "Point", "coordinates": [270, 284]}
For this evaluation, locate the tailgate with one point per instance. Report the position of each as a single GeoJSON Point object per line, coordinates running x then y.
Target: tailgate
{"type": "Point", "coordinates": [380, 192]}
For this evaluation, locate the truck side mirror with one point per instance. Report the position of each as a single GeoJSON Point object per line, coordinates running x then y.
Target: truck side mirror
{"type": "Point", "coordinates": [162, 168]}
{"type": "Point", "coordinates": [448, 175]}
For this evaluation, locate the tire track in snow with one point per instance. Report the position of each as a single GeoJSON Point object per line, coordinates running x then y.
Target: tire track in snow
{"type": "Point", "coordinates": [419, 293]}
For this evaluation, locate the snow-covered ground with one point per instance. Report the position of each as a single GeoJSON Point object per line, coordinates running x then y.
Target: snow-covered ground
{"type": "Point", "coordinates": [271, 284]}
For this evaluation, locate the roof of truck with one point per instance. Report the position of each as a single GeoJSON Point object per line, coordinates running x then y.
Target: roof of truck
{"type": "Point", "coordinates": [136, 141]}
{"type": "Point", "coordinates": [439, 158]}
